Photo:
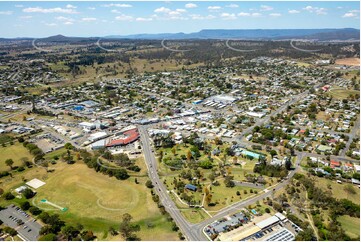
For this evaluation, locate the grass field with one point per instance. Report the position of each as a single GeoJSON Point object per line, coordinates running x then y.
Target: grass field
{"type": "Point", "coordinates": [338, 190]}
{"type": "Point", "coordinates": [350, 225]}
{"type": "Point", "coordinates": [15, 152]}
{"type": "Point", "coordinates": [226, 196]}
{"type": "Point", "coordinates": [342, 93]}
{"type": "Point", "coordinates": [98, 201]}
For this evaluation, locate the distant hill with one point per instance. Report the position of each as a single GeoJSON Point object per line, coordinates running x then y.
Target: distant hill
{"type": "Point", "coordinates": [256, 34]}
{"type": "Point", "coordinates": [344, 34]}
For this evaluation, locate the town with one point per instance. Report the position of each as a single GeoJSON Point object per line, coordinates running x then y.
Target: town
{"type": "Point", "coordinates": [258, 146]}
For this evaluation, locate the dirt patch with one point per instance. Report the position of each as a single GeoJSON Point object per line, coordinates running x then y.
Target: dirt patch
{"type": "Point", "coordinates": [348, 61]}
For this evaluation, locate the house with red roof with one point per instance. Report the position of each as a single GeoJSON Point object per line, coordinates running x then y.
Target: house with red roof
{"type": "Point", "coordinates": [335, 164]}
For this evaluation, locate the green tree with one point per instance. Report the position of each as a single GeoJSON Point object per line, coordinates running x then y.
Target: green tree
{"type": "Point", "coordinates": [9, 162]}
{"type": "Point", "coordinates": [127, 228]}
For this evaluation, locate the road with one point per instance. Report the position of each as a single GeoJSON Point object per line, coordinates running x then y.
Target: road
{"type": "Point", "coordinates": [162, 191]}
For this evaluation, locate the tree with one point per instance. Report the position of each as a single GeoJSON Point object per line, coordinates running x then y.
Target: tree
{"type": "Point", "coordinates": [127, 228]}
{"type": "Point", "coordinates": [48, 237]}
{"type": "Point", "coordinates": [149, 184]}
{"type": "Point", "coordinates": [28, 193]}
{"type": "Point", "coordinates": [9, 196]}
{"type": "Point", "coordinates": [25, 205]}
{"type": "Point", "coordinates": [228, 181]}
{"type": "Point", "coordinates": [288, 164]}
{"type": "Point", "coordinates": [35, 210]}
{"type": "Point", "coordinates": [68, 146]}
{"type": "Point", "coordinates": [9, 162]}
{"type": "Point", "coordinates": [10, 231]}
{"type": "Point", "coordinates": [273, 153]}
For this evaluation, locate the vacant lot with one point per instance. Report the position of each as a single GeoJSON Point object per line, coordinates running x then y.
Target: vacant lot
{"type": "Point", "coordinates": [15, 152]}
{"type": "Point", "coordinates": [338, 190]}
{"type": "Point", "coordinates": [98, 201]}
{"type": "Point", "coordinates": [350, 225]}
{"type": "Point", "coordinates": [348, 61]}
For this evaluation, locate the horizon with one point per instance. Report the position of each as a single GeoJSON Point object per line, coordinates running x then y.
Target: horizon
{"type": "Point", "coordinates": [111, 35]}
{"type": "Point", "coordinates": [85, 19]}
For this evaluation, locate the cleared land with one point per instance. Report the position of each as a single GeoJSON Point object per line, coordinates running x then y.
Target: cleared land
{"type": "Point", "coordinates": [348, 61]}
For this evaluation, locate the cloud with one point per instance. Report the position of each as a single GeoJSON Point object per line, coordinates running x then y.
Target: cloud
{"type": "Point", "coordinates": [70, 6]}
{"type": "Point", "coordinates": [190, 5]}
{"type": "Point", "coordinates": [19, 6]}
{"type": "Point", "coordinates": [115, 11]}
{"type": "Point", "coordinates": [232, 6]}
{"type": "Point", "coordinates": [6, 12]}
{"type": "Point", "coordinates": [293, 11]}
{"type": "Point", "coordinates": [351, 14]}
{"type": "Point", "coordinates": [62, 18]}
{"type": "Point", "coordinates": [68, 23]}
{"type": "Point", "coordinates": [88, 19]}
{"type": "Point", "coordinates": [317, 10]}
{"type": "Point", "coordinates": [275, 14]}
{"type": "Point", "coordinates": [49, 10]}
{"type": "Point", "coordinates": [214, 8]}
{"type": "Point", "coordinates": [266, 8]}
{"type": "Point", "coordinates": [91, 8]}
{"type": "Point", "coordinates": [228, 16]}
{"type": "Point", "coordinates": [143, 19]}
{"type": "Point", "coordinates": [200, 17]}
{"type": "Point", "coordinates": [162, 10]}
{"type": "Point", "coordinates": [117, 5]}
{"type": "Point", "coordinates": [124, 18]}
{"type": "Point", "coordinates": [181, 10]}
{"type": "Point", "coordinates": [245, 14]}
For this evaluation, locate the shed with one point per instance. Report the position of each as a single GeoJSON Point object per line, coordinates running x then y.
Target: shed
{"type": "Point", "coordinates": [191, 187]}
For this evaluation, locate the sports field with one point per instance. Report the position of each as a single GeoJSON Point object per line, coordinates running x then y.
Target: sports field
{"type": "Point", "coordinates": [98, 201]}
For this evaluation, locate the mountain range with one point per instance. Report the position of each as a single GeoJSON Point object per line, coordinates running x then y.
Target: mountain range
{"type": "Point", "coordinates": [344, 34]}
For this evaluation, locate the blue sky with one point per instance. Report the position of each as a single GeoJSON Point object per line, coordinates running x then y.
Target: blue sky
{"type": "Point", "coordinates": [41, 19]}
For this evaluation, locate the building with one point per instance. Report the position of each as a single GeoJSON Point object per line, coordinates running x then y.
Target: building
{"type": "Point", "coordinates": [191, 187]}
{"type": "Point", "coordinates": [124, 138]}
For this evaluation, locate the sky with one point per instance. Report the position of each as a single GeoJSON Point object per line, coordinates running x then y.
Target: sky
{"type": "Point", "coordinates": [85, 19]}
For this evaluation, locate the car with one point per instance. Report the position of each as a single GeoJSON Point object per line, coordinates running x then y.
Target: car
{"type": "Point", "coordinates": [29, 230]}
{"type": "Point", "coordinates": [25, 227]}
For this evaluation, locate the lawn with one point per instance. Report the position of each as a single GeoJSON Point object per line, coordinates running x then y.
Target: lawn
{"type": "Point", "coordinates": [58, 153]}
{"type": "Point", "coordinates": [14, 152]}
{"type": "Point", "coordinates": [98, 201]}
{"type": "Point", "coordinates": [351, 225]}
{"type": "Point", "coordinates": [226, 196]}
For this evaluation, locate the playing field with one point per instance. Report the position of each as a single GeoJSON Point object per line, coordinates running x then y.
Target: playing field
{"type": "Point", "coordinates": [15, 152]}
{"type": "Point", "coordinates": [342, 93]}
{"type": "Point", "coordinates": [98, 201]}
{"type": "Point", "coordinates": [350, 225]}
